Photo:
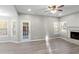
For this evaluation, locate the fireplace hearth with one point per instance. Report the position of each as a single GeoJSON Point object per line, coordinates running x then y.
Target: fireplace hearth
{"type": "Point", "coordinates": [74, 35]}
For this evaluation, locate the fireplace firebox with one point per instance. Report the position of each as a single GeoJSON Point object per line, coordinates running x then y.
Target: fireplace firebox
{"type": "Point", "coordinates": [74, 35]}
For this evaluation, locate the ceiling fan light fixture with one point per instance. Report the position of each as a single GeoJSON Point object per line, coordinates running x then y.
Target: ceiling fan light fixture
{"type": "Point", "coordinates": [55, 8]}
{"type": "Point", "coordinates": [53, 11]}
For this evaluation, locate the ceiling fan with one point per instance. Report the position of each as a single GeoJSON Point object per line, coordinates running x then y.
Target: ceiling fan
{"type": "Point", "coordinates": [55, 8]}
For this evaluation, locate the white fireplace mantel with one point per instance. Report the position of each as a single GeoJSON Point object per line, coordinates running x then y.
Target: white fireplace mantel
{"type": "Point", "coordinates": [67, 37]}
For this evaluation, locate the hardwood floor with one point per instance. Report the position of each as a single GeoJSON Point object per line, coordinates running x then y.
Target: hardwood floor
{"type": "Point", "coordinates": [58, 46]}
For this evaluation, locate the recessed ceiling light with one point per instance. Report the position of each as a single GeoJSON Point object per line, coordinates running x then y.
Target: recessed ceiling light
{"type": "Point", "coordinates": [29, 10]}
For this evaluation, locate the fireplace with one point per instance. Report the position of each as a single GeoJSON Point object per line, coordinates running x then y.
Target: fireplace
{"type": "Point", "coordinates": [74, 35]}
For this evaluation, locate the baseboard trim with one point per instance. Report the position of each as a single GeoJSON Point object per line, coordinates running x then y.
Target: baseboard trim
{"type": "Point", "coordinates": [32, 40]}
{"type": "Point", "coordinates": [38, 39]}
{"type": "Point", "coordinates": [28, 40]}
{"type": "Point", "coordinates": [9, 41]}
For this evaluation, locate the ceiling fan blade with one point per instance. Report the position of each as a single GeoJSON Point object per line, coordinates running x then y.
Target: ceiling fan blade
{"type": "Point", "coordinates": [52, 6]}
{"type": "Point", "coordinates": [60, 6]}
{"type": "Point", "coordinates": [60, 10]}
{"type": "Point", "coordinates": [49, 7]}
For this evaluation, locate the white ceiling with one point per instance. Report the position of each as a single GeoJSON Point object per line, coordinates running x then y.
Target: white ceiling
{"type": "Point", "coordinates": [43, 10]}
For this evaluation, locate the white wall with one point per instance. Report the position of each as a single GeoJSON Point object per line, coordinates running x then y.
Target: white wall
{"type": "Point", "coordinates": [50, 24]}
{"type": "Point", "coordinates": [38, 24]}
{"type": "Point", "coordinates": [72, 20]}
{"type": "Point", "coordinates": [72, 24]}
{"type": "Point", "coordinates": [38, 30]}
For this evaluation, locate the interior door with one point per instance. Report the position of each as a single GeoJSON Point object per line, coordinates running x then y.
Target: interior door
{"type": "Point", "coordinates": [25, 30]}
